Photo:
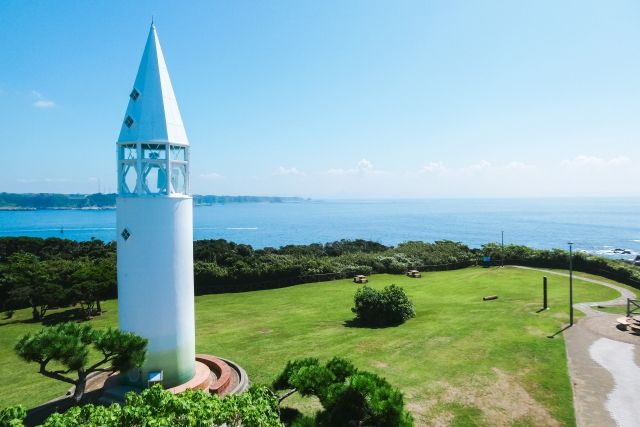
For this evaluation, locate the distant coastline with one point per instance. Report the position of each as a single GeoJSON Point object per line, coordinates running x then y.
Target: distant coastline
{"type": "Point", "coordinates": [100, 201]}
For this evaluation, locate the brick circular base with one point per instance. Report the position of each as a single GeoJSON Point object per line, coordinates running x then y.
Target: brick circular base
{"type": "Point", "coordinates": [213, 374]}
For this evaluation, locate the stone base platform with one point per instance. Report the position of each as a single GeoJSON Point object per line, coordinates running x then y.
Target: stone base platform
{"type": "Point", "coordinates": [213, 374]}
{"type": "Point", "coordinates": [218, 376]}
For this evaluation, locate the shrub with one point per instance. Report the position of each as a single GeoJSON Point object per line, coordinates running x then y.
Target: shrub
{"type": "Point", "coordinates": [13, 416]}
{"type": "Point", "coordinates": [390, 306]}
{"type": "Point", "coordinates": [156, 407]}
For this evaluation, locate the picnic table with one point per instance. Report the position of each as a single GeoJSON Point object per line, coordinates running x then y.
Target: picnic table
{"type": "Point", "coordinates": [360, 279]}
{"type": "Point", "coordinates": [414, 273]}
{"type": "Point", "coordinates": [631, 322]}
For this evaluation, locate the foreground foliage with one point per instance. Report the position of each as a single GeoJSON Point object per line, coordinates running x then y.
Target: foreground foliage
{"type": "Point", "coordinates": [389, 306]}
{"type": "Point", "coordinates": [349, 397]}
{"type": "Point", "coordinates": [68, 344]}
{"type": "Point", "coordinates": [156, 407]}
{"type": "Point", "coordinates": [12, 416]}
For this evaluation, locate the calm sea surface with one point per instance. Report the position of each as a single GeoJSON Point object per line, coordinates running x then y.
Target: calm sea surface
{"type": "Point", "coordinates": [595, 225]}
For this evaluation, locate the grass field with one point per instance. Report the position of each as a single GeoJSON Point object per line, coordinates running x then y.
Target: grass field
{"type": "Point", "coordinates": [460, 361]}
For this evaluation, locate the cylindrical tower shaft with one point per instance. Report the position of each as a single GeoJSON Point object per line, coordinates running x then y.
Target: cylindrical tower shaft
{"type": "Point", "coordinates": [155, 225]}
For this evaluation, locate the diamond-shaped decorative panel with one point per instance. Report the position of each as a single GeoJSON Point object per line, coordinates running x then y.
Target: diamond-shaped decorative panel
{"type": "Point", "coordinates": [125, 234]}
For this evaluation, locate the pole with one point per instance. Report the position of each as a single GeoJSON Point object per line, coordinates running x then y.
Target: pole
{"type": "Point", "coordinates": [502, 249]}
{"type": "Point", "coordinates": [570, 284]}
{"type": "Point", "coordinates": [544, 292]}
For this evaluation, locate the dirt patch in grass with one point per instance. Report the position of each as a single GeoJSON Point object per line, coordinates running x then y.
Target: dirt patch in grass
{"type": "Point", "coordinates": [536, 332]}
{"type": "Point", "coordinates": [500, 399]}
{"type": "Point", "coordinates": [439, 341]}
{"type": "Point", "coordinates": [380, 365]}
{"type": "Point", "coordinates": [443, 419]}
{"type": "Point", "coordinates": [503, 401]}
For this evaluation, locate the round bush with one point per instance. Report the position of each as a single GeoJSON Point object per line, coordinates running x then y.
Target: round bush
{"type": "Point", "coordinates": [390, 306]}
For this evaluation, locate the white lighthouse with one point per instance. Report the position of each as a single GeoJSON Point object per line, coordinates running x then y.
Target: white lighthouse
{"type": "Point", "coordinates": [155, 224]}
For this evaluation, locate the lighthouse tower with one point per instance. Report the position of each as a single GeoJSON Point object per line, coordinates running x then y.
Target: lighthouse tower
{"type": "Point", "coordinates": [155, 224]}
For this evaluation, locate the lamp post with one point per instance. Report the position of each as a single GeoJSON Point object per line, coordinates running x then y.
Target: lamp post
{"type": "Point", "coordinates": [570, 284]}
{"type": "Point", "coordinates": [502, 249]}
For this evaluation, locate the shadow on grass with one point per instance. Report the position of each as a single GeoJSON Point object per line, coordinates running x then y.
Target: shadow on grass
{"type": "Point", "coordinates": [38, 414]}
{"type": "Point", "coordinates": [70, 315]}
{"type": "Point", "coordinates": [355, 323]}
{"type": "Point", "coordinates": [559, 332]}
{"type": "Point", "coordinates": [73, 314]}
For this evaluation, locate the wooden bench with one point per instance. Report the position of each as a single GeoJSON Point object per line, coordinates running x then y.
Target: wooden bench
{"type": "Point", "coordinates": [360, 279]}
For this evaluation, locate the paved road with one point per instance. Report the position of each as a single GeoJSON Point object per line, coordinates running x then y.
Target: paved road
{"type": "Point", "coordinates": [604, 364]}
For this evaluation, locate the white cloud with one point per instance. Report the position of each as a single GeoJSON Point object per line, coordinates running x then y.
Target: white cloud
{"type": "Point", "coordinates": [40, 101]}
{"type": "Point", "coordinates": [439, 168]}
{"type": "Point", "coordinates": [41, 180]}
{"type": "Point", "coordinates": [363, 167]}
{"type": "Point", "coordinates": [481, 166]}
{"type": "Point", "coordinates": [583, 161]}
{"type": "Point", "coordinates": [212, 176]}
{"type": "Point", "coordinates": [433, 167]}
{"type": "Point", "coordinates": [518, 166]}
{"type": "Point", "coordinates": [283, 171]}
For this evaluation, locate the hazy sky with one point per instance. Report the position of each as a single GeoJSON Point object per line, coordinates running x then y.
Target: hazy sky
{"type": "Point", "coordinates": [334, 99]}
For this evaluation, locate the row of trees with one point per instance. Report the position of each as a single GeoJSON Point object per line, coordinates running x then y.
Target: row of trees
{"type": "Point", "coordinates": [28, 281]}
{"type": "Point", "coordinates": [620, 271]}
{"type": "Point", "coordinates": [43, 273]}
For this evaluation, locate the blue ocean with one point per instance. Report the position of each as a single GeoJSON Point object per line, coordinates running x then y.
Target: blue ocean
{"type": "Point", "coordinates": [595, 225]}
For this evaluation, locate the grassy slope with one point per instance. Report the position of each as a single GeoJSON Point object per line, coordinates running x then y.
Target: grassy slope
{"type": "Point", "coordinates": [452, 348]}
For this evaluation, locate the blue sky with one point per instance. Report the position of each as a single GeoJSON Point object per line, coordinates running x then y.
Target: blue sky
{"type": "Point", "coordinates": [334, 99]}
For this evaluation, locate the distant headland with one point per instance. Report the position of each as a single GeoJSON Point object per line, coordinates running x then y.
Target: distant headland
{"type": "Point", "coordinates": [37, 201]}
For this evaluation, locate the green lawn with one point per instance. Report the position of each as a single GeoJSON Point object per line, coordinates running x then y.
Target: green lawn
{"type": "Point", "coordinates": [460, 361]}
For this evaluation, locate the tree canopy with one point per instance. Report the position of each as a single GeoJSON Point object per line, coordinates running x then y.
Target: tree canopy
{"type": "Point", "coordinates": [349, 397]}
{"type": "Point", "coordinates": [68, 344]}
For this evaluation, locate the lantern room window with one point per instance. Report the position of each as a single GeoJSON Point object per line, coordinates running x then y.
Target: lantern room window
{"type": "Point", "coordinates": [178, 153]}
{"type": "Point", "coordinates": [129, 179]}
{"type": "Point", "coordinates": [154, 151]}
{"type": "Point", "coordinates": [154, 178]}
{"type": "Point", "coordinates": [128, 152]}
{"type": "Point", "coordinates": [153, 169]}
{"type": "Point", "coordinates": [178, 162]}
{"type": "Point", "coordinates": [179, 179]}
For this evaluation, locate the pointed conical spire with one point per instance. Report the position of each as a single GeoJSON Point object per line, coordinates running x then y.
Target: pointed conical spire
{"type": "Point", "coordinates": [152, 113]}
